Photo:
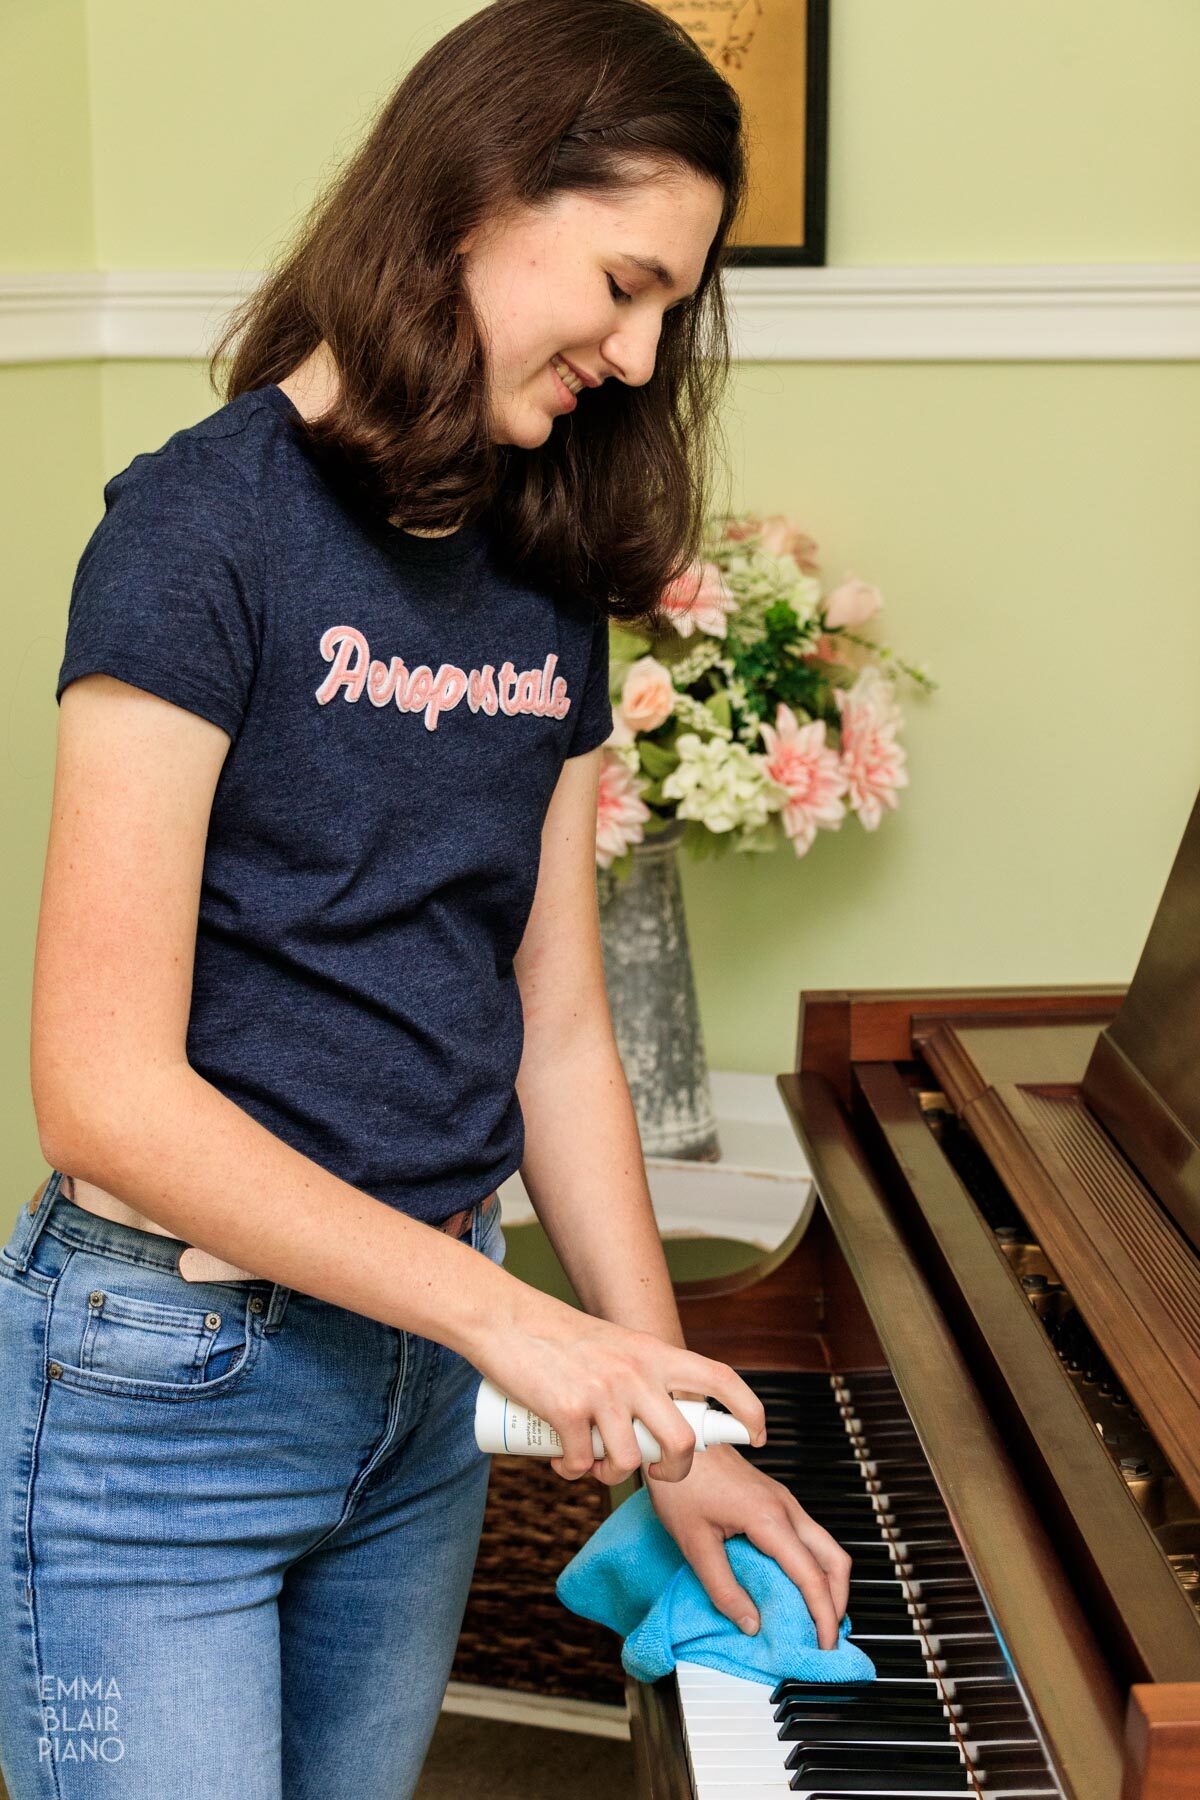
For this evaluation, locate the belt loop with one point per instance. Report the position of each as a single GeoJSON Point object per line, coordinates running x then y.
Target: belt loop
{"type": "Point", "coordinates": [31, 1225]}
{"type": "Point", "coordinates": [276, 1307]}
{"type": "Point", "coordinates": [478, 1216]}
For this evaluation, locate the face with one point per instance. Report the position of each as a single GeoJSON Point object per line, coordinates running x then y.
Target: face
{"type": "Point", "coordinates": [559, 283]}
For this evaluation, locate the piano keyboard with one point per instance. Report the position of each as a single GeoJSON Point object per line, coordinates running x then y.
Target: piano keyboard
{"type": "Point", "coordinates": [944, 1716]}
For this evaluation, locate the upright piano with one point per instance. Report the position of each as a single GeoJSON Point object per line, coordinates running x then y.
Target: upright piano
{"type": "Point", "coordinates": [981, 1370]}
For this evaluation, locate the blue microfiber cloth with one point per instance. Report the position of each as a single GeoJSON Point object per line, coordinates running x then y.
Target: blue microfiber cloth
{"type": "Point", "coordinates": [632, 1576]}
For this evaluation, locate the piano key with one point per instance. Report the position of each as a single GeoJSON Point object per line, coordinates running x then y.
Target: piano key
{"type": "Point", "coordinates": [821, 1777]}
{"type": "Point", "coordinates": [912, 1591]}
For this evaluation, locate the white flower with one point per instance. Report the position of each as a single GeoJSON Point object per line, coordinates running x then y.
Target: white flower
{"type": "Point", "coordinates": [721, 784]}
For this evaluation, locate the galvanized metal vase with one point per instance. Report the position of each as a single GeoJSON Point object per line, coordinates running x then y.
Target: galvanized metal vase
{"type": "Point", "coordinates": [652, 996]}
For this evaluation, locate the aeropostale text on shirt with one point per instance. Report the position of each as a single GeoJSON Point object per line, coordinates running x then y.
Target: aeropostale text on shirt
{"type": "Point", "coordinates": [354, 672]}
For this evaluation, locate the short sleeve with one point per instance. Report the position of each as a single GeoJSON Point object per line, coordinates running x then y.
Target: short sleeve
{"type": "Point", "coordinates": [594, 723]}
{"type": "Point", "coordinates": [167, 592]}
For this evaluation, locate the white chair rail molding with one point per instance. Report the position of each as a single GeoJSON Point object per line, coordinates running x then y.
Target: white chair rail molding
{"type": "Point", "coordinates": [1069, 312]}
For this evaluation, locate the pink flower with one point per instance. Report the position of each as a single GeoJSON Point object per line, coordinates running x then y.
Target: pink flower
{"type": "Point", "coordinates": [829, 649]}
{"type": "Point", "coordinates": [852, 603]}
{"type": "Point", "coordinates": [620, 810]}
{"type": "Point", "coordinates": [647, 695]}
{"type": "Point", "coordinates": [779, 536]}
{"type": "Point", "coordinates": [699, 598]}
{"type": "Point", "coordinates": [872, 760]}
{"type": "Point", "coordinates": [620, 733]}
{"type": "Point", "coordinates": [782, 538]}
{"type": "Point", "coordinates": [810, 769]}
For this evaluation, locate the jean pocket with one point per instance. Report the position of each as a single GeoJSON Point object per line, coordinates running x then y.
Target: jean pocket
{"type": "Point", "coordinates": [119, 1327]}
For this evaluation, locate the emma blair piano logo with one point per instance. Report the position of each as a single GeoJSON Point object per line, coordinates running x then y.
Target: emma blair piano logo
{"type": "Point", "coordinates": [80, 1719]}
{"type": "Point", "coordinates": [354, 673]}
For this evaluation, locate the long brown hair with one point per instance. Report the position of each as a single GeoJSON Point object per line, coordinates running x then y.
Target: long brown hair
{"type": "Point", "coordinates": [524, 100]}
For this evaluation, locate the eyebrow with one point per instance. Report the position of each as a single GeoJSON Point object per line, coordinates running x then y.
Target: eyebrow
{"type": "Point", "coordinates": [650, 265]}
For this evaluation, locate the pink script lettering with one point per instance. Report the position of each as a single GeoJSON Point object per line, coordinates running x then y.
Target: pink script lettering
{"type": "Point", "coordinates": [354, 672]}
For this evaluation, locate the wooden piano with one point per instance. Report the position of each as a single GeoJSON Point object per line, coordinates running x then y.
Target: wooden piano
{"type": "Point", "coordinates": [981, 1371]}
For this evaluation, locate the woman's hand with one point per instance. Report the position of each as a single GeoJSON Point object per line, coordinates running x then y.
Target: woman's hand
{"type": "Point", "coordinates": [577, 1371]}
{"type": "Point", "coordinates": [722, 1495]}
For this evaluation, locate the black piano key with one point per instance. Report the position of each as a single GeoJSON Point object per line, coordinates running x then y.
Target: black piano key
{"type": "Point", "coordinates": [792, 1381]}
{"type": "Point", "coordinates": [969, 1668]}
{"type": "Point", "coordinates": [893, 1658]}
{"type": "Point", "coordinates": [867, 1624]}
{"type": "Point", "coordinates": [888, 1757]}
{"type": "Point", "coordinates": [900, 1496]}
{"type": "Point", "coordinates": [875, 1557]}
{"type": "Point", "coordinates": [792, 1688]}
{"type": "Point", "coordinates": [911, 1734]}
{"type": "Point", "coordinates": [795, 1718]}
{"type": "Point", "coordinates": [938, 1563]}
{"type": "Point", "coordinates": [986, 1717]}
{"type": "Point", "coordinates": [882, 1778]}
{"type": "Point", "coordinates": [874, 1698]}
{"type": "Point", "coordinates": [999, 1764]}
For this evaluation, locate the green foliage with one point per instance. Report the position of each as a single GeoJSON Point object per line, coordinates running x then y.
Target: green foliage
{"type": "Point", "coordinates": [657, 760]}
{"type": "Point", "coordinates": [772, 669]}
{"type": "Point", "coordinates": [702, 844]}
{"type": "Point", "coordinates": [718, 705]}
{"type": "Point", "coordinates": [761, 838]}
{"type": "Point", "coordinates": [626, 646]}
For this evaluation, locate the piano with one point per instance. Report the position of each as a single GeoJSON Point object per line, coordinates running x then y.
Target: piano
{"type": "Point", "coordinates": [980, 1365]}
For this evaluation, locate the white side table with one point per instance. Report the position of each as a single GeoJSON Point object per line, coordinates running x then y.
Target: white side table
{"type": "Point", "coordinates": [755, 1194]}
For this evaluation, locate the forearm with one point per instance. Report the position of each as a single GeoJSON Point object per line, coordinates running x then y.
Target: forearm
{"type": "Point", "coordinates": [173, 1146]}
{"type": "Point", "coordinates": [586, 1177]}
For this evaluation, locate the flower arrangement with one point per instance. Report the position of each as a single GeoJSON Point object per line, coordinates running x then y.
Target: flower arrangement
{"type": "Point", "coordinates": [751, 709]}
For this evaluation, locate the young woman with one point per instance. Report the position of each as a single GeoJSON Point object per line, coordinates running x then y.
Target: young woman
{"type": "Point", "coordinates": [318, 962]}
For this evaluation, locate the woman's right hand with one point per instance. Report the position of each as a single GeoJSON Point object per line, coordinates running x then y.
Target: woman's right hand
{"type": "Point", "coordinates": [576, 1371]}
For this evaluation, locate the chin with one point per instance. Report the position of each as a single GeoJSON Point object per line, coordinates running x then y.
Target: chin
{"type": "Point", "coordinates": [526, 433]}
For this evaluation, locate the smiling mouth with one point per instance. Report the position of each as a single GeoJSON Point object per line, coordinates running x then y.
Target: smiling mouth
{"type": "Point", "coordinates": [566, 374]}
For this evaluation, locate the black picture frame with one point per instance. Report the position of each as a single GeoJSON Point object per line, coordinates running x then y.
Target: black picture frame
{"type": "Point", "coordinates": [810, 250]}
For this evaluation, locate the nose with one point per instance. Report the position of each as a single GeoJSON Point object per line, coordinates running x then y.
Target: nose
{"type": "Point", "coordinates": [631, 355]}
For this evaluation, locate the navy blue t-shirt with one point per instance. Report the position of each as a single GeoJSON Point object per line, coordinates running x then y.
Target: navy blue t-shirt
{"type": "Point", "coordinates": [399, 711]}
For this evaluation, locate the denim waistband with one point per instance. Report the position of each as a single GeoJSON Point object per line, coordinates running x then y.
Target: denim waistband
{"type": "Point", "coordinates": [90, 1231]}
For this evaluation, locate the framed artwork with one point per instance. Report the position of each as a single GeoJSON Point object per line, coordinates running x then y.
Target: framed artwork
{"type": "Point", "coordinates": [775, 53]}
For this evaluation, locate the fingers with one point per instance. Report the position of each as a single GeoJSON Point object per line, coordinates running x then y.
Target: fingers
{"type": "Point", "coordinates": [676, 1439]}
{"type": "Point", "coordinates": [621, 1453]}
{"type": "Point", "coordinates": [704, 1376]}
{"type": "Point", "coordinates": [835, 1561]}
{"type": "Point", "coordinates": [665, 1423]}
{"type": "Point", "coordinates": [574, 1427]}
{"type": "Point", "coordinates": [657, 1411]}
{"type": "Point", "coordinates": [778, 1539]}
{"type": "Point", "coordinates": [709, 1560]}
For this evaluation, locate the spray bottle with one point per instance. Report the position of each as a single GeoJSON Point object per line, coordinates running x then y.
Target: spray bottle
{"type": "Point", "coordinates": [503, 1426]}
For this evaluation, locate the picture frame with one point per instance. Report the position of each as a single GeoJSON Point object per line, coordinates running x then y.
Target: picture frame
{"type": "Point", "coordinates": [775, 54]}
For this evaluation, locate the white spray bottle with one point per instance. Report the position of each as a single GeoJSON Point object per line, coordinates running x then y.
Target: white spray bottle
{"type": "Point", "coordinates": [504, 1427]}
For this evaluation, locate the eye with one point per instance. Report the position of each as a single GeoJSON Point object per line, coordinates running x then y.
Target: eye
{"type": "Point", "coordinates": [618, 293]}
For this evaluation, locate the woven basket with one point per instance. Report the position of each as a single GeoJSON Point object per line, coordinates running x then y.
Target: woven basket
{"type": "Point", "coordinates": [516, 1633]}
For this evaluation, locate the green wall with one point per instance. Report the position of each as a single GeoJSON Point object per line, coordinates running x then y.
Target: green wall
{"type": "Point", "coordinates": [1033, 526]}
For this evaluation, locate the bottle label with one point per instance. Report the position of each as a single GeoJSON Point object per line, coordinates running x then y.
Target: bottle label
{"type": "Point", "coordinates": [525, 1431]}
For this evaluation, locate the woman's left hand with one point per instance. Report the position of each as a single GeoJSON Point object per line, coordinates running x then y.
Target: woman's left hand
{"type": "Point", "coordinates": [721, 1495]}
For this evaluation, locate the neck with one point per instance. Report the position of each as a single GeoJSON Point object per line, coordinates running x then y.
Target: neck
{"type": "Point", "coordinates": [312, 387]}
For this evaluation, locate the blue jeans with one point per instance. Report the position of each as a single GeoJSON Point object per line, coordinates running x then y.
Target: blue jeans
{"type": "Point", "coordinates": [239, 1526]}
